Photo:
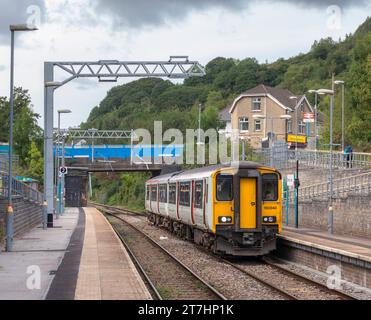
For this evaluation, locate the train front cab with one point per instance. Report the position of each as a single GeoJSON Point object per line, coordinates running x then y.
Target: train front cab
{"type": "Point", "coordinates": [247, 211]}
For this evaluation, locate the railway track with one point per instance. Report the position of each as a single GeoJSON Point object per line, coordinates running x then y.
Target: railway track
{"type": "Point", "coordinates": [290, 285]}
{"type": "Point", "coordinates": [167, 277]}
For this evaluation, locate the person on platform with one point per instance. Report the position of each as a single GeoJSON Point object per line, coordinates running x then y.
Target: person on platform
{"type": "Point", "coordinates": [348, 153]}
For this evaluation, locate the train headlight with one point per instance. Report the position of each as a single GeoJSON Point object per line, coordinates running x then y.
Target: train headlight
{"type": "Point", "coordinates": [225, 219]}
{"type": "Point", "coordinates": [269, 219]}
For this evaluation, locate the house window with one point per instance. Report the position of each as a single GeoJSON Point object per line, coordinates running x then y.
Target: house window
{"type": "Point", "coordinates": [302, 127]}
{"type": "Point", "coordinates": [198, 194]}
{"type": "Point", "coordinates": [172, 193]}
{"type": "Point", "coordinates": [256, 104]}
{"type": "Point", "coordinates": [244, 124]}
{"type": "Point", "coordinates": [258, 125]}
{"type": "Point", "coordinates": [163, 193]}
{"type": "Point", "coordinates": [289, 126]}
{"type": "Point", "coordinates": [184, 193]}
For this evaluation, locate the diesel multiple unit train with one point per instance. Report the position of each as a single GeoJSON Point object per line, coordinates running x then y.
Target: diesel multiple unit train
{"type": "Point", "coordinates": [231, 210]}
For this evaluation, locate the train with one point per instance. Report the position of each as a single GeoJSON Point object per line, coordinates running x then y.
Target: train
{"type": "Point", "coordinates": [232, 210]}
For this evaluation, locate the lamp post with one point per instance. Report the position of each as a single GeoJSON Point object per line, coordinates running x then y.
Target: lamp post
{"type": "Point", "coordinates": [10, 214]}
{"type": "Point", "coordinates": [60, 185]}
{"type": "Point", "coordinates": [296, 125]}
{"type": "Point", "coordinates": [315, 118]}
{"type": "Point", "coordinates": [330, 220]}
{"type": "Point", "coordinates": [342, 83]}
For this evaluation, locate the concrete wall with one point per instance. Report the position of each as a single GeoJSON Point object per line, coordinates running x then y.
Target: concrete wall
{"type": "Point", "coordinates": [352, 215]}
{"type": "Point", "coordinates": [27, 215]}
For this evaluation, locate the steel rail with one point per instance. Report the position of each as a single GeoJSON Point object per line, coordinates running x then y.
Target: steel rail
{"type": "Point", "coordinates": [261, 280]}
{"type": "Point", "coordinates": [137, 263]}
{"type": "Point", "coordinates": [266, 283]}
{"type": "Point", "coordinates": [196, 276]}
{"type": "Point", "coordinates": [308, 280]}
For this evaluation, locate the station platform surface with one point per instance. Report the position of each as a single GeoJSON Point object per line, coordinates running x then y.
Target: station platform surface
{"type": "Point", "coordinates": [80, 258]}
{"type": "Point", "coordinates": [27, 272]}
{"type": "Point", "coordinates": [355, 247]}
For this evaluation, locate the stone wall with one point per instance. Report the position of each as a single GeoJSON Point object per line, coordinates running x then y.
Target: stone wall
{"type": "Point", "coordinates": [352, 215]}
{"type": "Point", "coordinates": [27, 215]}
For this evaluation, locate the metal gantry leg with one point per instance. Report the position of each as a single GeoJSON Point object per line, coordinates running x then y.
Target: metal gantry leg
{"type": "Point", "coordinates": [48, 143]}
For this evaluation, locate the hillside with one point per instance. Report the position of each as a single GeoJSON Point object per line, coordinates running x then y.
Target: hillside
{"type": "Point", "coordinates": [139, 103]}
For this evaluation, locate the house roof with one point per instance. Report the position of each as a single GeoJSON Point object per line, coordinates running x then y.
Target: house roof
{"type": "Point", "coordinates": [281, 96]}
{"type": "Point", "coordinates": [224, 115]}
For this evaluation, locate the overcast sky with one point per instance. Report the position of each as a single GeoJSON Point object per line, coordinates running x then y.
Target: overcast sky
{"type": "Point", "coordinates": [79, 30]}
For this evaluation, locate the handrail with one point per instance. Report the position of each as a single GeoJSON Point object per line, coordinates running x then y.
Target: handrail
{"type": "Point", "coordinates": [356, 184]}
{"type": "Point", "coordinates": [19, 188]}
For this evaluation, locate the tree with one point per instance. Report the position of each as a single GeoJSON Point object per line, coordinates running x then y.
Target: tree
{"type": "Point", "coordinates": [25, 127]}
{"type": "Point", "coordinates": [36, 163]}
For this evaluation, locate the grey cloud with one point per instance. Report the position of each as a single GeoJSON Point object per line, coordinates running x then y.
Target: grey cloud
{"type": "Point", "coordinates": [15, 12]}
{"type": "Point", "coordinates": [138, 13]}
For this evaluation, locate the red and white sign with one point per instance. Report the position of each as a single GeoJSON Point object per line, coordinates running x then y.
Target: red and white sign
{"type": "Point", "coordinates": [308, 117]}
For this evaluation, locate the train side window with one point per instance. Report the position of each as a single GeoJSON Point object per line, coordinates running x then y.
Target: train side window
{"type": "Point", "coordinates": [224, 187]}
{"type": "Point", "coordinates": [270, 187]}
{"type": "Point", "coordinates": [153, 193]}
{"type": "Point", "coordinates": [184, 193]}
{"type": "Point", "coordinates": [162, 193]}
{"type": "Point", "coordinates": [172, 193]}
{"type": "Point", "coordinates": [198, 194]}
{"type": "Point", "coordinates": [147, 193]}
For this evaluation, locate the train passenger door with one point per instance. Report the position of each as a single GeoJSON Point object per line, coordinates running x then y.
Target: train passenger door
{"type": "Point", "coordinates": [247, 203]}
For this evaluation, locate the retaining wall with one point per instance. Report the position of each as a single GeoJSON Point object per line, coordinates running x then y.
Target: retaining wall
{"type": "Point", "coordinates": [352, 215]}
{"type": "Point", "coordinates": [27, 215]}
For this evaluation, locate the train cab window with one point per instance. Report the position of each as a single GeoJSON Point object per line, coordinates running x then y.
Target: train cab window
{"type": "Point", "coordinates": [224, 187]}
{"type": "Point", "coordinates": [184, 193]}
{"type": "Point", "coordinates": [153, 193]}
{"type": "Point", "coordinates": [147, 193]}
{"type": "Point", "coordinates": [198, 194]}
{"type": "Point", "coordinates": [162, 193]}
{"type": "Point", "coordinates": [172, 193]}
{"type": "Point", "coordinates": [270, 187]}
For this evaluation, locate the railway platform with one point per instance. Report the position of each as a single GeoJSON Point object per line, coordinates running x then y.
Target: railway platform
{"type": "Point", "coordinates": [319, 250]}
{"type": "Point", "coordinates": [81, 258]}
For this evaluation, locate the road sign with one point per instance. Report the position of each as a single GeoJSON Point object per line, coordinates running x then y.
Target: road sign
{"type": "Point", "coordinates": [63, 170]}
{"type": "Point", "coordinates": [308, 117]}
{"type": "Point", "coordinates": [298, 139]}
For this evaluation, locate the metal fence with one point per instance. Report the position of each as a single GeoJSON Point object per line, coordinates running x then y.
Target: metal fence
{"type": "Point", "coordinates": [282, 158]}
{"type": "Point", "coordinates": [354, 185]}
{"type": "Point", "coordinates": [19, 188]}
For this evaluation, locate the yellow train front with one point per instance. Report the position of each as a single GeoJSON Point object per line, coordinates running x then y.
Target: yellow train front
{"type": "Point", "coordinates": [231, 209]}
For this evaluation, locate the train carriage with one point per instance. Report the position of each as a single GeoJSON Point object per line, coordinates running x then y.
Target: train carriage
{"type": "Point", "coordinates": [233, 210]}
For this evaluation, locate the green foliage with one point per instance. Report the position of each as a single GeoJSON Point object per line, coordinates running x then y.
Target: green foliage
{"type": "Point", "coordinates": [25, 128]}
{"type": "Point", "coordinates": [139, 103]}
{"type": "Point", "coordinates": [36, 163]}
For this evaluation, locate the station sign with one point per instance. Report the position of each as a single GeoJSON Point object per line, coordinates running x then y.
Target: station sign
{"type": "Point", "coordinates": [63, 170]}
{"type": "Point", "coordinates": [308, 117]}
{"type": "Point", "coordinates": [296, 139]}
{"type": "Point", "coordinates": [290, 180]}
